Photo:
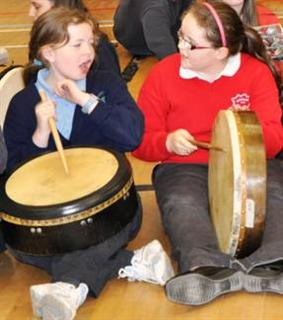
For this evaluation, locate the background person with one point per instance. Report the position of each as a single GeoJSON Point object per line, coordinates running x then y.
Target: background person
{"type": "Point", "coordinates": [149, 27]}
{"type": "Point", "coordinates": [253, 14]}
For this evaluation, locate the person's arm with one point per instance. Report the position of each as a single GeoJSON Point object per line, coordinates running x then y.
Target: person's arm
{"type": "Point", "coordinates": [157, 32]}
{"type": "Point", "coordinates": [265, 102]}
{"type": "Point", "coordinates": [19, 127]}
{"type": "Point", "coordinates": [119, 120]}
{"type": "Point", "coordinates": [3, 153]}
{"type": "Point", "coordinates": [116, 120]}
{"type": "Point", "coordinates": [153, 103]}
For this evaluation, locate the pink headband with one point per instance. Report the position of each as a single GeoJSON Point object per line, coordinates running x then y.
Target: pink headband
{"type": "Point", "coordinates": [218, 22]}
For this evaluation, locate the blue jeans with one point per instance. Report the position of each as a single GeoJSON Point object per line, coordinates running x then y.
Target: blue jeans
{"type": "Point", "coordinates": [93, 266]}
{"type": "Point", "coordinates": [182, 196]}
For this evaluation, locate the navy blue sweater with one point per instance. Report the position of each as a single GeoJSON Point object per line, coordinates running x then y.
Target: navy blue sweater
{"type": "Point", "coordinates": [116, 122]}
{"type": "Point", "coordinates": [3, 153]}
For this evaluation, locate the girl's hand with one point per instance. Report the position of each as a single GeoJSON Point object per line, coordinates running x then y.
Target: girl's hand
{"type": "Point", "coordinates": [68, 89]}
{"type": "Point", "coordinates": [178, 142]}
{"type": "Point", "coordinates": [43, 112]}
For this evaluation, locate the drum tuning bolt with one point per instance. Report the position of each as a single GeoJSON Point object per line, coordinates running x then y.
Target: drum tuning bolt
{"type": "Point", "coordinates": [83, 223]}
{"type": "Point", "coordinates": [126, 196]}
{"type": "Point", "coordinates": [36, 230]}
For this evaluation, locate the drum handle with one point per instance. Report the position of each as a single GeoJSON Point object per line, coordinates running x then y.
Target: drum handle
{"type": "Point", "coordinates": [56, 136]}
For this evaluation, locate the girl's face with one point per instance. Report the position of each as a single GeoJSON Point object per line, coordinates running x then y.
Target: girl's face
{"type": "Point", "coordinates": [235, 4]}
{"type": "Point", "coordinates": [73, 59]}
{"type": "Point", "coordinates": [196, 52]}
{"type": "Point", "coordinates": [38, 7]}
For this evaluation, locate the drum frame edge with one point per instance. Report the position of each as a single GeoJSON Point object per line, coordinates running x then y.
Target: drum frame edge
{"type": "Point", "coordinates": [70, 218]}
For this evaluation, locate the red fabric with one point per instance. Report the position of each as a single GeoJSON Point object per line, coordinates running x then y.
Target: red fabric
{"type": "Point", "coordinates": [170, 102]}
{"type": "Point", "coordinates": [265, 16]}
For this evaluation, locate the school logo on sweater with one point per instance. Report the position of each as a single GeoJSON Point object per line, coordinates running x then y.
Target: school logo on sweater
{"type": "Point", "coordinates": [241, 102]}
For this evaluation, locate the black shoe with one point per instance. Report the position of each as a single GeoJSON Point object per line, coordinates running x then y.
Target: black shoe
{"type": "Point", "coordinates": [130, 70]}
{"type": "Point", "coordinates": [264, 279]}
{"type": "Point", "coordinates": [203, 285]}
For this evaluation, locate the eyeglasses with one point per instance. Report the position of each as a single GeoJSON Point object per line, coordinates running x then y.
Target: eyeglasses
{"type": "Point", "coordinates": [187, 43]}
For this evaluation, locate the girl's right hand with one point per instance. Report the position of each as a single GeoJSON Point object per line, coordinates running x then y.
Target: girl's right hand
{"type": "Point", "coordinates": [43, 111]}
{"type": "Point", "coordinates": [179, 143]}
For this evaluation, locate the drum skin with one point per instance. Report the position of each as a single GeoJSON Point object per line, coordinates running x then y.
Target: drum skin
{"type": "Point", "coordinates": [65, 226]}
{"type": "Point", "coordinates": [237, 182]}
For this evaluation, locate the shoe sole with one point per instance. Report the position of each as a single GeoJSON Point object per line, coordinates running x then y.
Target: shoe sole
{"type": "Point", "coordinates": [55, 309]}
{"type": "Point", "coordinates": [260, 284]}
{"type": "Point", "coordinates": [196, 289]}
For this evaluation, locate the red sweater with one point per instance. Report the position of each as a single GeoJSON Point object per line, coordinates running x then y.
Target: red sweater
{"type": "Point", "coordinates": [170, 103]}
{"type": "Point", "coordinates": [265, 16]}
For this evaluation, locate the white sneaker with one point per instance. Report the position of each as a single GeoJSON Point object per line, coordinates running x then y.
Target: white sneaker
{"type": "Point", "coordinates": [150, 264]}
{"type": "Point", "coordinates": [37, 292]}
{"type": "Point", "coordinates": [57, 301]}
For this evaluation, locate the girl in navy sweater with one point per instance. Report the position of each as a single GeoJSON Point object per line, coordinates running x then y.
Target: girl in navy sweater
{"type": "Point", "coordinates": [91, 108]}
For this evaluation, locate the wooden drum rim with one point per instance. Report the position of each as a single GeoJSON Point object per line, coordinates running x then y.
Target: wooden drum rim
{"type": "Point", "coordinates": [241, 233]}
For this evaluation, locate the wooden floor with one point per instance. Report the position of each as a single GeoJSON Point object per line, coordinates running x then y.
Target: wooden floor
{"type": "Point", "coordinates": [120, 300]}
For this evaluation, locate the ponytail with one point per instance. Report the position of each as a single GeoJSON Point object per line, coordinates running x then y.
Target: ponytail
{"type": "Point", "coordinates": [30, 72]}
{"type": "Point", "coordinates": [254, 46]}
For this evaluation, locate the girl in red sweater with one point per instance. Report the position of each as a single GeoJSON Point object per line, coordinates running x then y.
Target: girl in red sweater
{"type": "Point", "coordinates": [218, 62]}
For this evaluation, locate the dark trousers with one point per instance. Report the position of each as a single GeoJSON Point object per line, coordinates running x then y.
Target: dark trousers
{"type": "Point", "coordinates": [93, 266]}
{"type": "Point", "coordinates": [182, 196]}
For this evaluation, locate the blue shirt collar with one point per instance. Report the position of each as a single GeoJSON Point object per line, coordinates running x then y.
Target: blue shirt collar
{"type": "Point", "coordinates": [43, 85]}
{"type": "Point", "coordinates": [65, 109]}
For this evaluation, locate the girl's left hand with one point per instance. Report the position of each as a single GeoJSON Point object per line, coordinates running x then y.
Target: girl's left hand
{"type": "Point", "coordinates": [68, 89]}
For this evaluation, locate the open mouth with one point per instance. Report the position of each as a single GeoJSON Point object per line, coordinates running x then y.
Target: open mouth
{"type": "Point", "coordinates": [84, 67]}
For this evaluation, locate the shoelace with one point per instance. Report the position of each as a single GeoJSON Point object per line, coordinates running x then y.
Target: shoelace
{"type": "Point", "coordinates": [127, 272]}
{"type": "Point", "coordinates": [136, 273]}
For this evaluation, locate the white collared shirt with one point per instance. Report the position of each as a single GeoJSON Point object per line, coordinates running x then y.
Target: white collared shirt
{"type": "Point", "coordinates": [232, 66]}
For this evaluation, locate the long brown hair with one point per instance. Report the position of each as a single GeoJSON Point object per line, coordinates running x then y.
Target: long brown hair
{"type": "Point", "coordinates": [239, 37]}
{"type": "Point", "coordinates": [51, 28]}
{"type": "Point", "coordinates": [248, 13]}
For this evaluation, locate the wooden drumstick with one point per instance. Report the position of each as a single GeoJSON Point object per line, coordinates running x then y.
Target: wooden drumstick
{"type": "Point", "coordinates": [56, 136]}
{"type": "Point", "coordinates": [205, 145]}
